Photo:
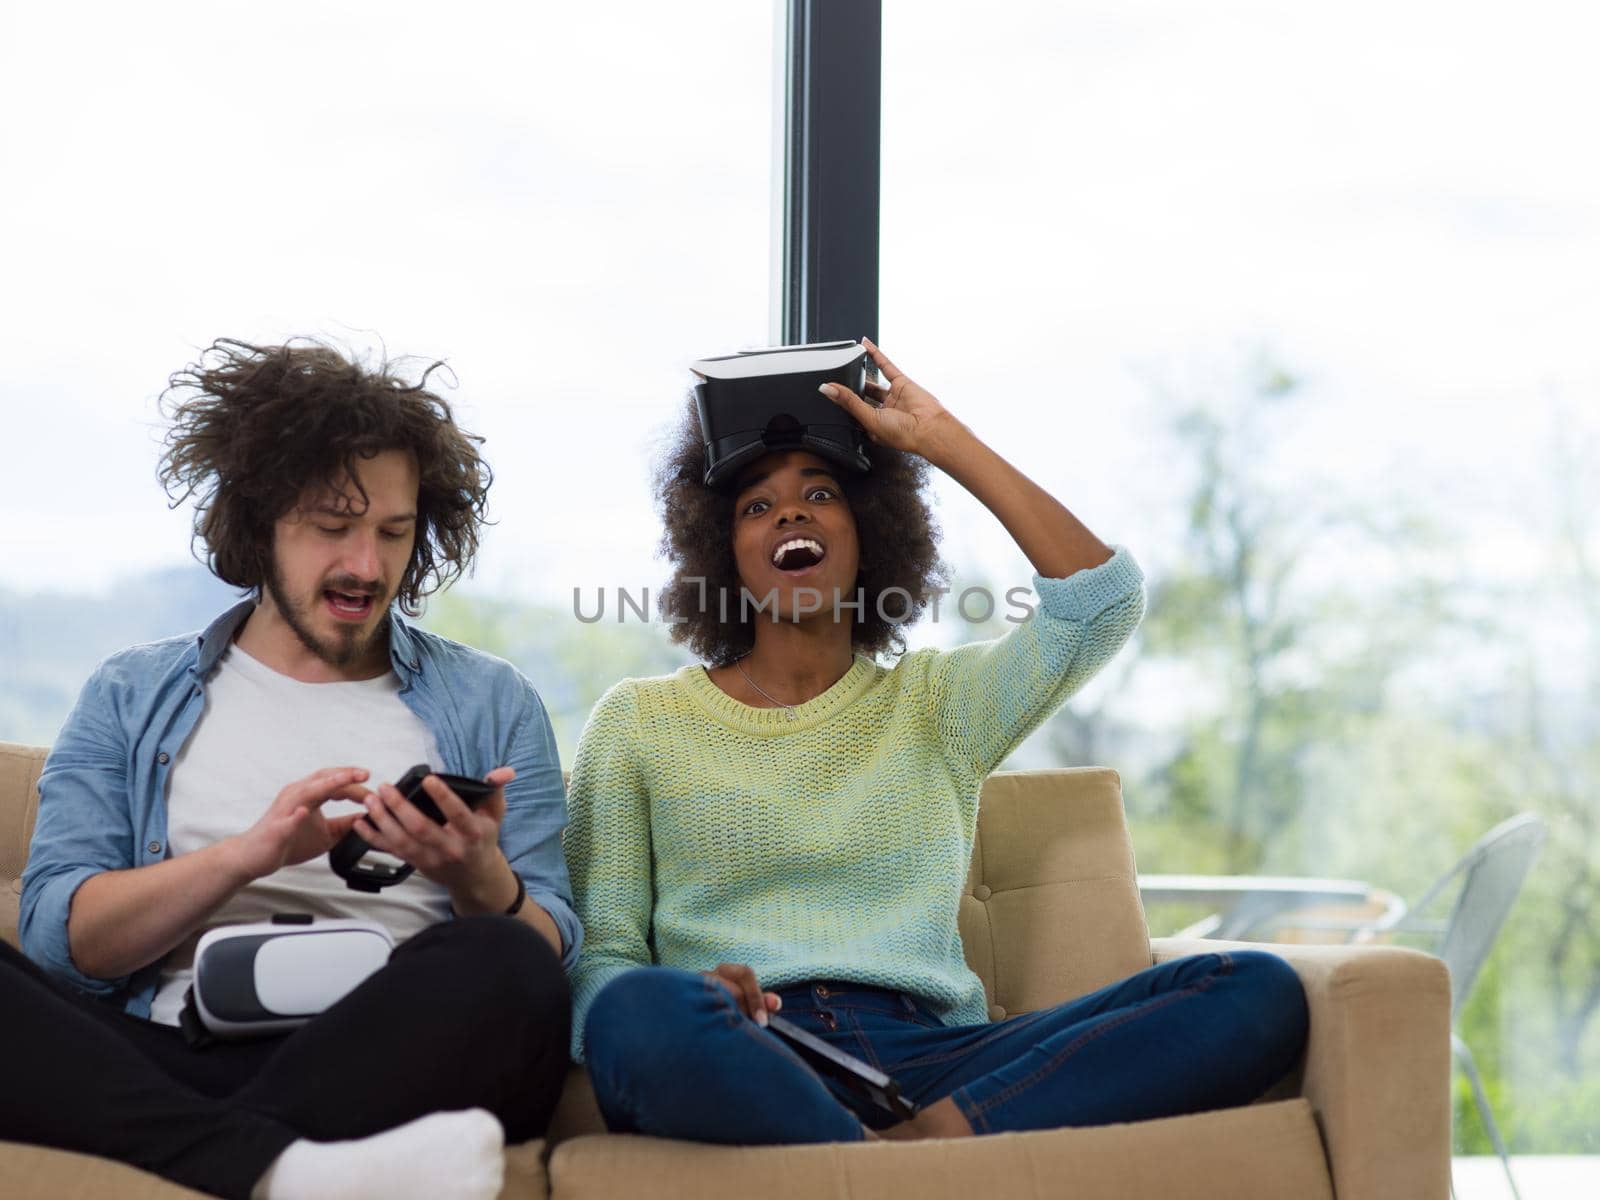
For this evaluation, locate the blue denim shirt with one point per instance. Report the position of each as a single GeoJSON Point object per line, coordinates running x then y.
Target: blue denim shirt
{"type": "Point", "coordinates": [103, 790]}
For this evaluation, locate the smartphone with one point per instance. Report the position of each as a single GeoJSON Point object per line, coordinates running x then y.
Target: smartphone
{"type": "Point", "coordinates": [861, 1078]}
{"type": "Point", "coordinates": [363, 871]}
{"type": "Point", "coordinates": [473, 792]}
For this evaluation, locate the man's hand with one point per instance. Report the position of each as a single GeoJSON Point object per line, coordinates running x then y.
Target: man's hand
{"type": "Point", "coordinates": [741, 983]}
{"type": "Point", "coordinates": [293, 829]}
{"type": "Point", "coordinates": [463, 855]}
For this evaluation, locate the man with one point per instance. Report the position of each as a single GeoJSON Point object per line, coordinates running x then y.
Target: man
{"type": "Point", "coordinates": [201, 781]}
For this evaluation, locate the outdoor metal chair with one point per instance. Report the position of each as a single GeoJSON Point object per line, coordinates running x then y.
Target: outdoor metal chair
{"type": "Point", "coordinates": [1485, 884]}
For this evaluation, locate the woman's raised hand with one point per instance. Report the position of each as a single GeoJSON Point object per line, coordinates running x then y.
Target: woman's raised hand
{"type": "Point", "coordinates": [903, 415]}
{"type": "Point", "coordinates": [912, 419]}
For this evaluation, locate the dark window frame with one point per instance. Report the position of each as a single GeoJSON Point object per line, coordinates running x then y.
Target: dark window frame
{"type": "Point", "coordinates": [832, 127]}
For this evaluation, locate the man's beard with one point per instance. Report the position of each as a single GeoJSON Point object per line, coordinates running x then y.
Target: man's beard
{"type": "Point", "coordinates": [350, 646]}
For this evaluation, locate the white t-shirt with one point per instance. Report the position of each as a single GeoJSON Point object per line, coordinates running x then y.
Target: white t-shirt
{"type": "Point", "coordinates": [261, 731]}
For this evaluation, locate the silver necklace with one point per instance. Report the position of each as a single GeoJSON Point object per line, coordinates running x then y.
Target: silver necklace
{"type": "Point", "coordinates": [788, 708]}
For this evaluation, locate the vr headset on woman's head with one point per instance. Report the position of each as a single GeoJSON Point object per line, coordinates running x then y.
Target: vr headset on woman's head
{"type": "Point", "coordinates": [758, 401]}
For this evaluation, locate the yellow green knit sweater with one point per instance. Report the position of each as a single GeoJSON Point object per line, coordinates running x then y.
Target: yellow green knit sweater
{"type": "Point", "coordinates": [831, 846]}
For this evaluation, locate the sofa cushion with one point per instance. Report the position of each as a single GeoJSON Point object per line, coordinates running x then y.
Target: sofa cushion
{"type": "Point", "coordinates": [1263, 1152]}
{"type": "Point", "coordinates": [577, 1112]}
{"type": "Point", "coordinates": [33, 1173]}
{"type": "Point", "coordinates": [1052, 908]}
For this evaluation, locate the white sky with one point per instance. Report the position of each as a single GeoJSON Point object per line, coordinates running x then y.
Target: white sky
{"type": "Point", "coordinates": [570, 203]}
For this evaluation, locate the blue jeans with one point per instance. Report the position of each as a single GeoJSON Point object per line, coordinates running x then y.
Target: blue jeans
{"type": "Point", "coordinates": [671, 1054]}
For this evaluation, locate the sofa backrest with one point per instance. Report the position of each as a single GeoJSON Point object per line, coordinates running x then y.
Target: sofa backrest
{"type": "Point", "coordinates": [19, 800]}
{"type": "Point", "coordinates": [1051, 908]}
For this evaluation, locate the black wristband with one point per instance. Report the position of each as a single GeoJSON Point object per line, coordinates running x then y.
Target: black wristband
{"type": "Point", "coordinates": [516, 905]}
{"type": "Point", "coordinates": [522, 897]}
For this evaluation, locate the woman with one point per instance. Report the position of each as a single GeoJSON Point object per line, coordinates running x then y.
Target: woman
{"type": "Point", "coordinates": [790, 826]}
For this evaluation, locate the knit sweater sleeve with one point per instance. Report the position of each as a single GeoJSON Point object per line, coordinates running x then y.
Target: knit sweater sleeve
{"type": "Point", "coordinates": [608, 851]}
{"type": "Point", "coordinates": [987, 697]}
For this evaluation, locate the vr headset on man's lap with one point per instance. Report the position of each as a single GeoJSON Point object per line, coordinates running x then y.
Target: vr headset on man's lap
{"type": "Point", "coordinates": [267, 978]}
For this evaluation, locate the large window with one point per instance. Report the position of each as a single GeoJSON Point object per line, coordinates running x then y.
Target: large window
{"type": "Point", "coordinates": [568, 204]}
{"type": "Point", "coordinates": [1298, 301]}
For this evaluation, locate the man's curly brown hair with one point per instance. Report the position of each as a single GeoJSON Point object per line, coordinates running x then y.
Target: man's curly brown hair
{"type": "Point", "coordinates": [894, 527]}
{"type": "Point", "coordinates": [254, 426]}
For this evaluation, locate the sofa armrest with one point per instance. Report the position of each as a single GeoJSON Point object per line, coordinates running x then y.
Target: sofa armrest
{"type": "Point", "coordinates": [1377, 1065]}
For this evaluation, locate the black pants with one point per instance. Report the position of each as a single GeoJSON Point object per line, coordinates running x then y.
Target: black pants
{"type": "Point", "coordinates": [469, 1013]}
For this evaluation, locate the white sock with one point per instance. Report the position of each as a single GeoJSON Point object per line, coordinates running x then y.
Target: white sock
{"type": "Point", "coordinates": [445, 1156]}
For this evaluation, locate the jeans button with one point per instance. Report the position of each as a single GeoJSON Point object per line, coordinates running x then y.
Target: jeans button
{"type": "Point", "coordinates": [822, 991]}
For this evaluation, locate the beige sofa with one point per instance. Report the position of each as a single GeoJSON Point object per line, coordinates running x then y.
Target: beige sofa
{"type": "Point", "coordinates": [1052, 911]}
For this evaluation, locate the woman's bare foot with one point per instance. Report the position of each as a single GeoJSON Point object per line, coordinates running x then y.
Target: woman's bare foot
{"type": "Point", "coordinates": [940, 1120]}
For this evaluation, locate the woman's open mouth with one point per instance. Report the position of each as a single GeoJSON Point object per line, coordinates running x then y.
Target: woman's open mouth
{"type": "Point", "coordinates": [348, 606]}
{"type": "Point", "coordinates": [798, 555]}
